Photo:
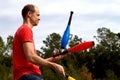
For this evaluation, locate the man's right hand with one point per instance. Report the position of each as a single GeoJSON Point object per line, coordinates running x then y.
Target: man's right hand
{"type": "Point", "coordinates": [51, 59]}
{"type": "Point", "coordinates": [58, 69]}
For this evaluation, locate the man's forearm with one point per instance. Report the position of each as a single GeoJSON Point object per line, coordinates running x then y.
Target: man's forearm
{"type": "Point", "coordinates": [40, 61]}
{"type": "Point", "coordinates": [52, 59]}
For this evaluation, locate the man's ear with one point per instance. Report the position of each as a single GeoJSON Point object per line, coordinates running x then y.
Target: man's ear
{"type": "Point", "coordinates": [29, 14]}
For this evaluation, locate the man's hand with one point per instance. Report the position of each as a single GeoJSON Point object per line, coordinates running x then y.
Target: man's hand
{"type": "Point", "coordinates": [57, 57]}
{"type": "Point", "coordinates": [58, 69]}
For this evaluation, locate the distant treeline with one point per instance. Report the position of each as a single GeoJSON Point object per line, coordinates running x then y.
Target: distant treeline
{"type": "Point", "coordinates": [101, 62]}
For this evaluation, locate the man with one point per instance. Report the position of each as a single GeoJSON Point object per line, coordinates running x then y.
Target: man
{"type": "Point", "coordinates": [26, 62]}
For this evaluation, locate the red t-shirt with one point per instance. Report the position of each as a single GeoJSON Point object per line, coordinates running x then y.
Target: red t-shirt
{"type": "Point", "coordinates": [20, 65]}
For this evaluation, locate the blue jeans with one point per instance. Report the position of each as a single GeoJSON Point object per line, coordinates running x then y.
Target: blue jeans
{"type": "Point", "coordinates": [31, 77]}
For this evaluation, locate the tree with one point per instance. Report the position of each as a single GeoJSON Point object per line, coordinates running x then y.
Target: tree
{"type": "Point", "coordinates": [2, 47]}
{"type": "Point", "coordinates": [118, 35]}
{"type": "Point", "coordinates": [5, 59]}
{"type": "Point", "coordinates": [52, 42]}
{"type": "Point", "coordinates": [70, 62]}
{"type": "Point", "coordinates": [106, 54]}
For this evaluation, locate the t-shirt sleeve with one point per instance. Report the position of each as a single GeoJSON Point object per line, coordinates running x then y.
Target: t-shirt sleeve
{"type": "Point", "coordinates": [26, 35]}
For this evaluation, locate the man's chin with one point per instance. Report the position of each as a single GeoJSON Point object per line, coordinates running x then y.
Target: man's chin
{"type": "Point", "coordinates": [35, 24]}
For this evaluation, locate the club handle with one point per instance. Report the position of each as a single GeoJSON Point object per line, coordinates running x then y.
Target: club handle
{"type": "Point", "coordinates": [71, 13]}
{"type": "Point", "coordinates": [64, 52]}
{"type": "Point", "coordinates": [69, 77]}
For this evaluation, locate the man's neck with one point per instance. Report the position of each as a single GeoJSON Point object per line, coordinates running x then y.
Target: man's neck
{"type": "Point", "coordinates": [28, 24]}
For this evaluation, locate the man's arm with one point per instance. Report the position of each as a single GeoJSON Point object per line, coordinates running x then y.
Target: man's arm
{"type": "Point", "coordinates": [52, 59]}
{"type": "Point", "coordinates": [34, 58]}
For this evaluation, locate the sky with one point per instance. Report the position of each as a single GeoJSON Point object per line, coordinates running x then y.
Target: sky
{"type": "Point", "coordinates": [89, 15]}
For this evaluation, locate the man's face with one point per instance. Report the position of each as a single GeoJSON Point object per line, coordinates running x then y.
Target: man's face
{"type": "Point", "coordinates": [35, 17]}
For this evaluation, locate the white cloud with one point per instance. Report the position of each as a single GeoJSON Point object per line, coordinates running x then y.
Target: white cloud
{"type": "Point", "coordinates": [88, 16]}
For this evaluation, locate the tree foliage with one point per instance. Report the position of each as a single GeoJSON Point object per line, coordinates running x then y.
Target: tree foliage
{"type": "Point", "coordinates": [101, 62]}
{"type": "Point", "coordinates": [106, 54]}
{"type": "Point", "coordinates": [70, 62]}
{"type": "Point", "coordinates": [5, 59]}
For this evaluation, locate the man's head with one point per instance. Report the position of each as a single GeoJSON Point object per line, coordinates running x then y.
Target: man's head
{"type": "Point", "coordinates": [31, 14]}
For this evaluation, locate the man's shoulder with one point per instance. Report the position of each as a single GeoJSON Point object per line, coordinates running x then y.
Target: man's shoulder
{"type": "Point", "coordinates": [23, 28]}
